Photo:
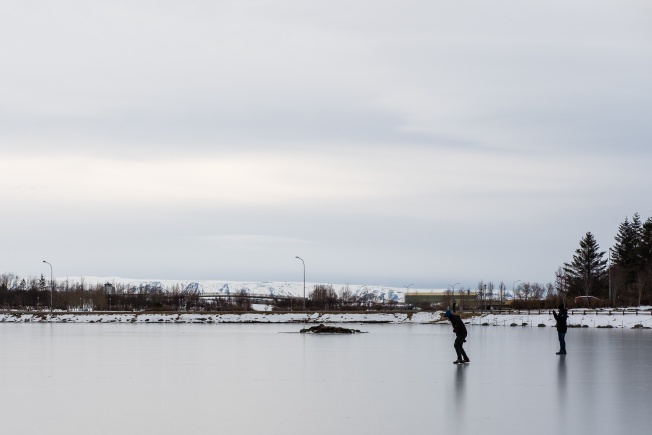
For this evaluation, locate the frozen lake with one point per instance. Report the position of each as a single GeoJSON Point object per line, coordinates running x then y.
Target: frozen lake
{"type": "Point", "coordinates": [268, 379]}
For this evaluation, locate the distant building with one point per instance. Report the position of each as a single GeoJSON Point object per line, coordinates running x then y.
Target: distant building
{"type": "Point", "coordinates": [441, 297]}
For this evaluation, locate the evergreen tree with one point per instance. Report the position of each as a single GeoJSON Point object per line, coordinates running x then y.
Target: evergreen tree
{"type": "Point", "coordinates": [588, 269]}
{"type": "Point", "coordinates": [646, 241]}
{"type": "Point", "coordinates": [625, 249]}
{"type": "Point", "coordinates": [637, 232]}
{"type": "Point", "coordinates": [645, 280]}
{"type": "Point", "coordinates": [629, 258]}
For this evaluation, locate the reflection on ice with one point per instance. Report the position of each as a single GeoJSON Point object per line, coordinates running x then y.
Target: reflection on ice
{"type": "Point", "coordinates": [561, 392]}
{"type": "Point", "coordinates": [460, 406]}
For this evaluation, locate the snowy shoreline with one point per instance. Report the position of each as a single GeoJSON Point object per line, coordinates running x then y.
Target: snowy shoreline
{"type": "Point", "coordinates": [642, 320]}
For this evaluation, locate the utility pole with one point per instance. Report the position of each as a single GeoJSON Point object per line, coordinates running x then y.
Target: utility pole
{"type": "Point", "coordinates": [304, 282]}
{"type": "Point", "coordinates": [51, 283]}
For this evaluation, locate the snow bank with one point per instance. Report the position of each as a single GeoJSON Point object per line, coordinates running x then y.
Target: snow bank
{"type": "Point", "coordinates": [249, 317]}
{"type": "Point", "coordinates": [604, 319]}
{"type": "Point", "coordinates": [577, 319]}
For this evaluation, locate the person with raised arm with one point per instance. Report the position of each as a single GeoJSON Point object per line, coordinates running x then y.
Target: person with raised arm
{"type": "Point", "coordinates": [562, 327]}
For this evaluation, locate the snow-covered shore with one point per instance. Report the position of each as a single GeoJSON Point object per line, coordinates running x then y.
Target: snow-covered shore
{"type": "Point", "coordinates": [248, 317]}
{"type": "Point", "coordinates": [577, 318]}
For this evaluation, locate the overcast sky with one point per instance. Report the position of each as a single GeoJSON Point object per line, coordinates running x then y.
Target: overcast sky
{"type": "Point", "coordinates": [384, 142]}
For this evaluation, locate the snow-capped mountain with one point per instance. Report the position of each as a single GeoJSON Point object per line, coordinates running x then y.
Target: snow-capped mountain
{"type": "Point", "coordinates": [369, 293]}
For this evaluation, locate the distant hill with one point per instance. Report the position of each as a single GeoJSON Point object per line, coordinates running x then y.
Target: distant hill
{"type": "Point", "coordinates": [270, 288]}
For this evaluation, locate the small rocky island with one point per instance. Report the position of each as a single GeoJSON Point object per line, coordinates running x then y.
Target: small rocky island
{"type": "Point", "coordinates": [323, 329]}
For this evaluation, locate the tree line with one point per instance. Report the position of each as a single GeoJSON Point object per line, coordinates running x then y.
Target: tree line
{"type": "Point", "coordinates": [39, 294]}
{"type": "Point", "coordinates": [621, 277]}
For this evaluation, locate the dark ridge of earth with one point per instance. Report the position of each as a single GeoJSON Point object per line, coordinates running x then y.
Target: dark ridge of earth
{"type": "Point", "coordinates": [323, 329]}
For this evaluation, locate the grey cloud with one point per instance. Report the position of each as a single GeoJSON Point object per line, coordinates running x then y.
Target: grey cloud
{"type": "Point", "coordinates": [172, 132]}
{"type": "Point", "coordinates": [508, 83]}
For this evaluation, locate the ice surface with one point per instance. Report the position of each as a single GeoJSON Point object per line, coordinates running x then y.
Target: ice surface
{"type": "Point", "coordinates": [269, 379]}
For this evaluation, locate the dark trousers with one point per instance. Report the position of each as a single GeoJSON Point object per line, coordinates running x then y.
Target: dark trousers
{"type": "Point", "coordinates": [562, 341]}
{"type": "Point", "coordinates": [459, 342]}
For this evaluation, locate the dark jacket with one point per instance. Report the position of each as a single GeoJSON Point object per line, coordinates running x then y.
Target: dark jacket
{"type": "Point", "coordinates": [458, 325]}
{"type": "Point", "coordinates": [561, 319]}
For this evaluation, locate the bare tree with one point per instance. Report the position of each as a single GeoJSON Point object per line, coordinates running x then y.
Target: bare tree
{"type": "Point", "coordinates": [323, 296]}
{"type": "Point", "coordinates": [346, 295]}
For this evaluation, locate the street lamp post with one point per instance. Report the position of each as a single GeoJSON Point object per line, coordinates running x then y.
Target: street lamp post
{"type": "Point", "coordinates": [407, 289]}
{"type": "Point", "coordinates": [51, 283]}
{"type": "Point", "coordinates": [453, 287]}
{"type": "Point", "coordinates": [304, 282]}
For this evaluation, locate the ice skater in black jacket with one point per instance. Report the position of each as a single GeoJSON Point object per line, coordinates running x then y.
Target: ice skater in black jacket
{"type": "Point", "coordinates": [562, 327]}
{"type": "Point", "coordinates": [460, 331]}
